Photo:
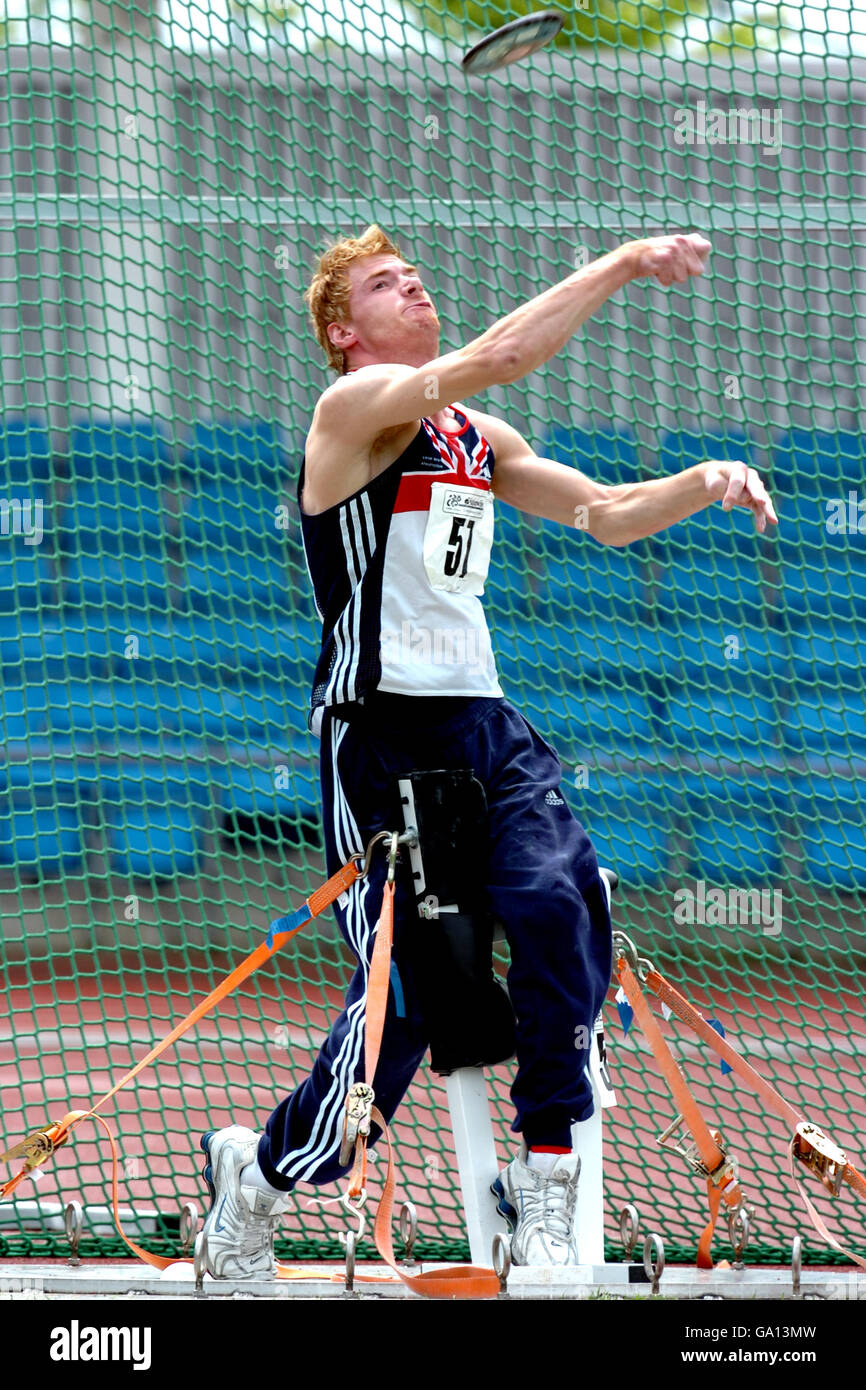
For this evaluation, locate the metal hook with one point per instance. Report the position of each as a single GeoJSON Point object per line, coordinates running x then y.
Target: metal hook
{"type": "Point", "coordinates": [187, 1226]}
{"type": "Point", "coordinates": [738, 1231]}
{"type": "Point", "coordinates": [350, 1243]}
{"type": "Point", "coordinates": [392, 856]}
{"type": "Point", "coordinates": [624, 946]}
{"type": "Point", "coordinates": [199, 1262]}
{"type": "Point", "coordinates": [353, 1206]}
{"type": "Point", "coordinates": [502, 1260]}
{"type": "Point", "coordinates": [73, 1220]}
{"type": "Point", "coordinates": [408, 837]}
{"type": "Point", "coordinates": [408, 1228]}
{"type": "Point", "coordinates": [629, 1228]}
{"type": "Point", "coordinates": [654, 1259]}
{"type": "Point", "coordinates": [367, 855]}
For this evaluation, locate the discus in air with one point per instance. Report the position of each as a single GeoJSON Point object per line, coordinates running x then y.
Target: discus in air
{"type": "Point", "coordinates": [512, 42]}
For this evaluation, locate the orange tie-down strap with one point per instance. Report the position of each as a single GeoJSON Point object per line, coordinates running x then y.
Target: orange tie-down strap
{"type": "Point", "coordinates": [37, 1148]}
{"type": "Point", "coordinates": [722, 1183]}
{"type": "Point", "coordinates": [812, 1148]}
{"type": "Point", "coordinates": [464, 1281]}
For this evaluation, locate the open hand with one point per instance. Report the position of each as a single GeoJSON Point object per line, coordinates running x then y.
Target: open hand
{"type": "Point", "coordinates": [739, 486]}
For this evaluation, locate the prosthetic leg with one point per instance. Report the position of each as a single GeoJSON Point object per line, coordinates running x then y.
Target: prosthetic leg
{"type": "Point", "coordinates": [468, 1013]}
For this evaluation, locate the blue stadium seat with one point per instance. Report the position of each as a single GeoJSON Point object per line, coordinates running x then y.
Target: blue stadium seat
{"type": "Point", "coordinates": [27, 576]}
{"type": "Point", "coordinates": [161, 779]}
{"type": "Point", "coordinates": [735, 827]}
{"type": "Point", "coordinates": [721, 654]}
{"type": "Point", "coordinates": [606, 654]}
{"type": "Point", "coordinates": [599, 583]}
{"type": "Point", "coordinates": [628, 822]}
{"type": "Point", "coordinates": [211, 714]}
{"type": "Point", "coordinates": [274, 716]}
{"type": "Point", "coordinates": [831, 815]}
{"type": "Point", "coordinates": [709, 565]}
{"type": "Point", "coordinates": [21, 638]}
{"type": "Point", "coordinates": [38, 776]}
{"type": "Point", "coordinates": [522, 651]}
{"type": "Point", "coordinates": [235, 515]}
{"type": "Point", "coordinates": [729, 724]}
{"type": "Point", "coordinates": [209, 650]}
{"type": "Point", "coordinates": [116, 582]}
{"type": "Point", "coordinates": [808, 528]}
{"type": "Point", "coordinates": [130, 451]}
{"type": "Point", "coordinates": [587, 724]}
{"type": "Point", "coordinates": [89, 644]}
{"type": "Point", "coordinates": [155, 841]}
{"type": "Point", "coordinates": [578, 576]}
{"type": "Point", "coordinates": [84, 707]}
{"type": "Point", "coordinates": [25, 452]}
{"type": "Point", "coordinates": [115, 522]}
{"type": "Point", "coordinates": [604, 454]}
{"type": "Point", "coordinates": [819, 455]}
{"type": "Point", "coordinates": [715, 532]}
{"type": "Point", "coordinates": [822, 543]}
{"type": "Point", "coordinates": [42, 815]}
{"type": "Point", "coordinates": [641, 654]}
{"type": "Point", "coordinates": [682, 449]}
{"type": "Point", "coordinates": [155, 824]}
{"type": "Point", "coordinates": [23, 713]}
{"type": "Point", "coordinates": [716, 587]}
{"type": "Point", "coordinates": [146, 709]}
{"type": "Point", "coordinates": [225, 583]}
{"type": "Point", "coordinates": [833, 655]}
{"type": "Point", "coordinates": [512, 561]}
{"type": "Point", "coordinates": [830, 585]}
{"type": "Point", "coordinates": [820, 722]}
{"type": "Point", "coordinates": [513, 531]}
{"type": "Point", "coordinates": [287, 790]}
{"type": "Point", "coordinates": [54, 649]}
{"type": "Point", "coordinates": [44, 840]}
{"type": "Point", "coordinates": [253, 451]}
{"type": "Point", "coordinates": [508, 590]}
{"type": "Point", "coordinates": [126, 518]}
{"type": "Point", "coordinates": [269, 716]}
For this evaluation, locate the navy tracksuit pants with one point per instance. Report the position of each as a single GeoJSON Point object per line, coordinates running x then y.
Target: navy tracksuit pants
{"type": "Point", "coordinates": [543, 884]}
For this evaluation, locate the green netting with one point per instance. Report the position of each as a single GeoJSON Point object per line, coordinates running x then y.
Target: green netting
{"type": "Point", "coordinates": [166, 181]}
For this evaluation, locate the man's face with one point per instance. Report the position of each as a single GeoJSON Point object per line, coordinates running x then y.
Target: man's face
{"type": "Point", "coordinates": [391, 316]}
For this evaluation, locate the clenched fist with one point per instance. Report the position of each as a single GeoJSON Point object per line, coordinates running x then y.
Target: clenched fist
{"type": "Point", "coordinates": [669, 259]}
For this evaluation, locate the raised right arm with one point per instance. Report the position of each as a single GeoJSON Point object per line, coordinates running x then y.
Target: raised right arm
{"type": "Point", "coordinates": [360, 406]}
{"type": "Point", "coordinates": [390, 394]}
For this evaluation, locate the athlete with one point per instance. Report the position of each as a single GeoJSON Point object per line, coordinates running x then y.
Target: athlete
{"type": "Point", "coordinates": [396, 491]}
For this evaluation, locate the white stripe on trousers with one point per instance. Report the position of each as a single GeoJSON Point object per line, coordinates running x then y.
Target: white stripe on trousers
{"type": "Point", "coordinates": [301, 1164]}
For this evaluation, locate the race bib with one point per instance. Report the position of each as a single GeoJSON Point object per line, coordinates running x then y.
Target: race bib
{"type": "Point", "coordinates": [458, 537]}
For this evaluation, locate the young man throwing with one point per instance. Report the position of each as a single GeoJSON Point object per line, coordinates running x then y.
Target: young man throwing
{"type": "Point", "coordinates": [396, 492]}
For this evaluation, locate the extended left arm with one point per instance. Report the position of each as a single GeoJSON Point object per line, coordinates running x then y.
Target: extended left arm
{"type": "Point", "coordinates": [619, 514]}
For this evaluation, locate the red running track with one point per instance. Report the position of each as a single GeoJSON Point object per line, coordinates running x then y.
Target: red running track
{"type": "Point", "coordinates": [63, 1044]}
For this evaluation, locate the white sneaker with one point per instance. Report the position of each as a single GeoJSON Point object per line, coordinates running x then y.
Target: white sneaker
{"type": "Point", "coordinates": [539, 1209]}
{"type": "Point", "coordinates": [241, 1222]}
